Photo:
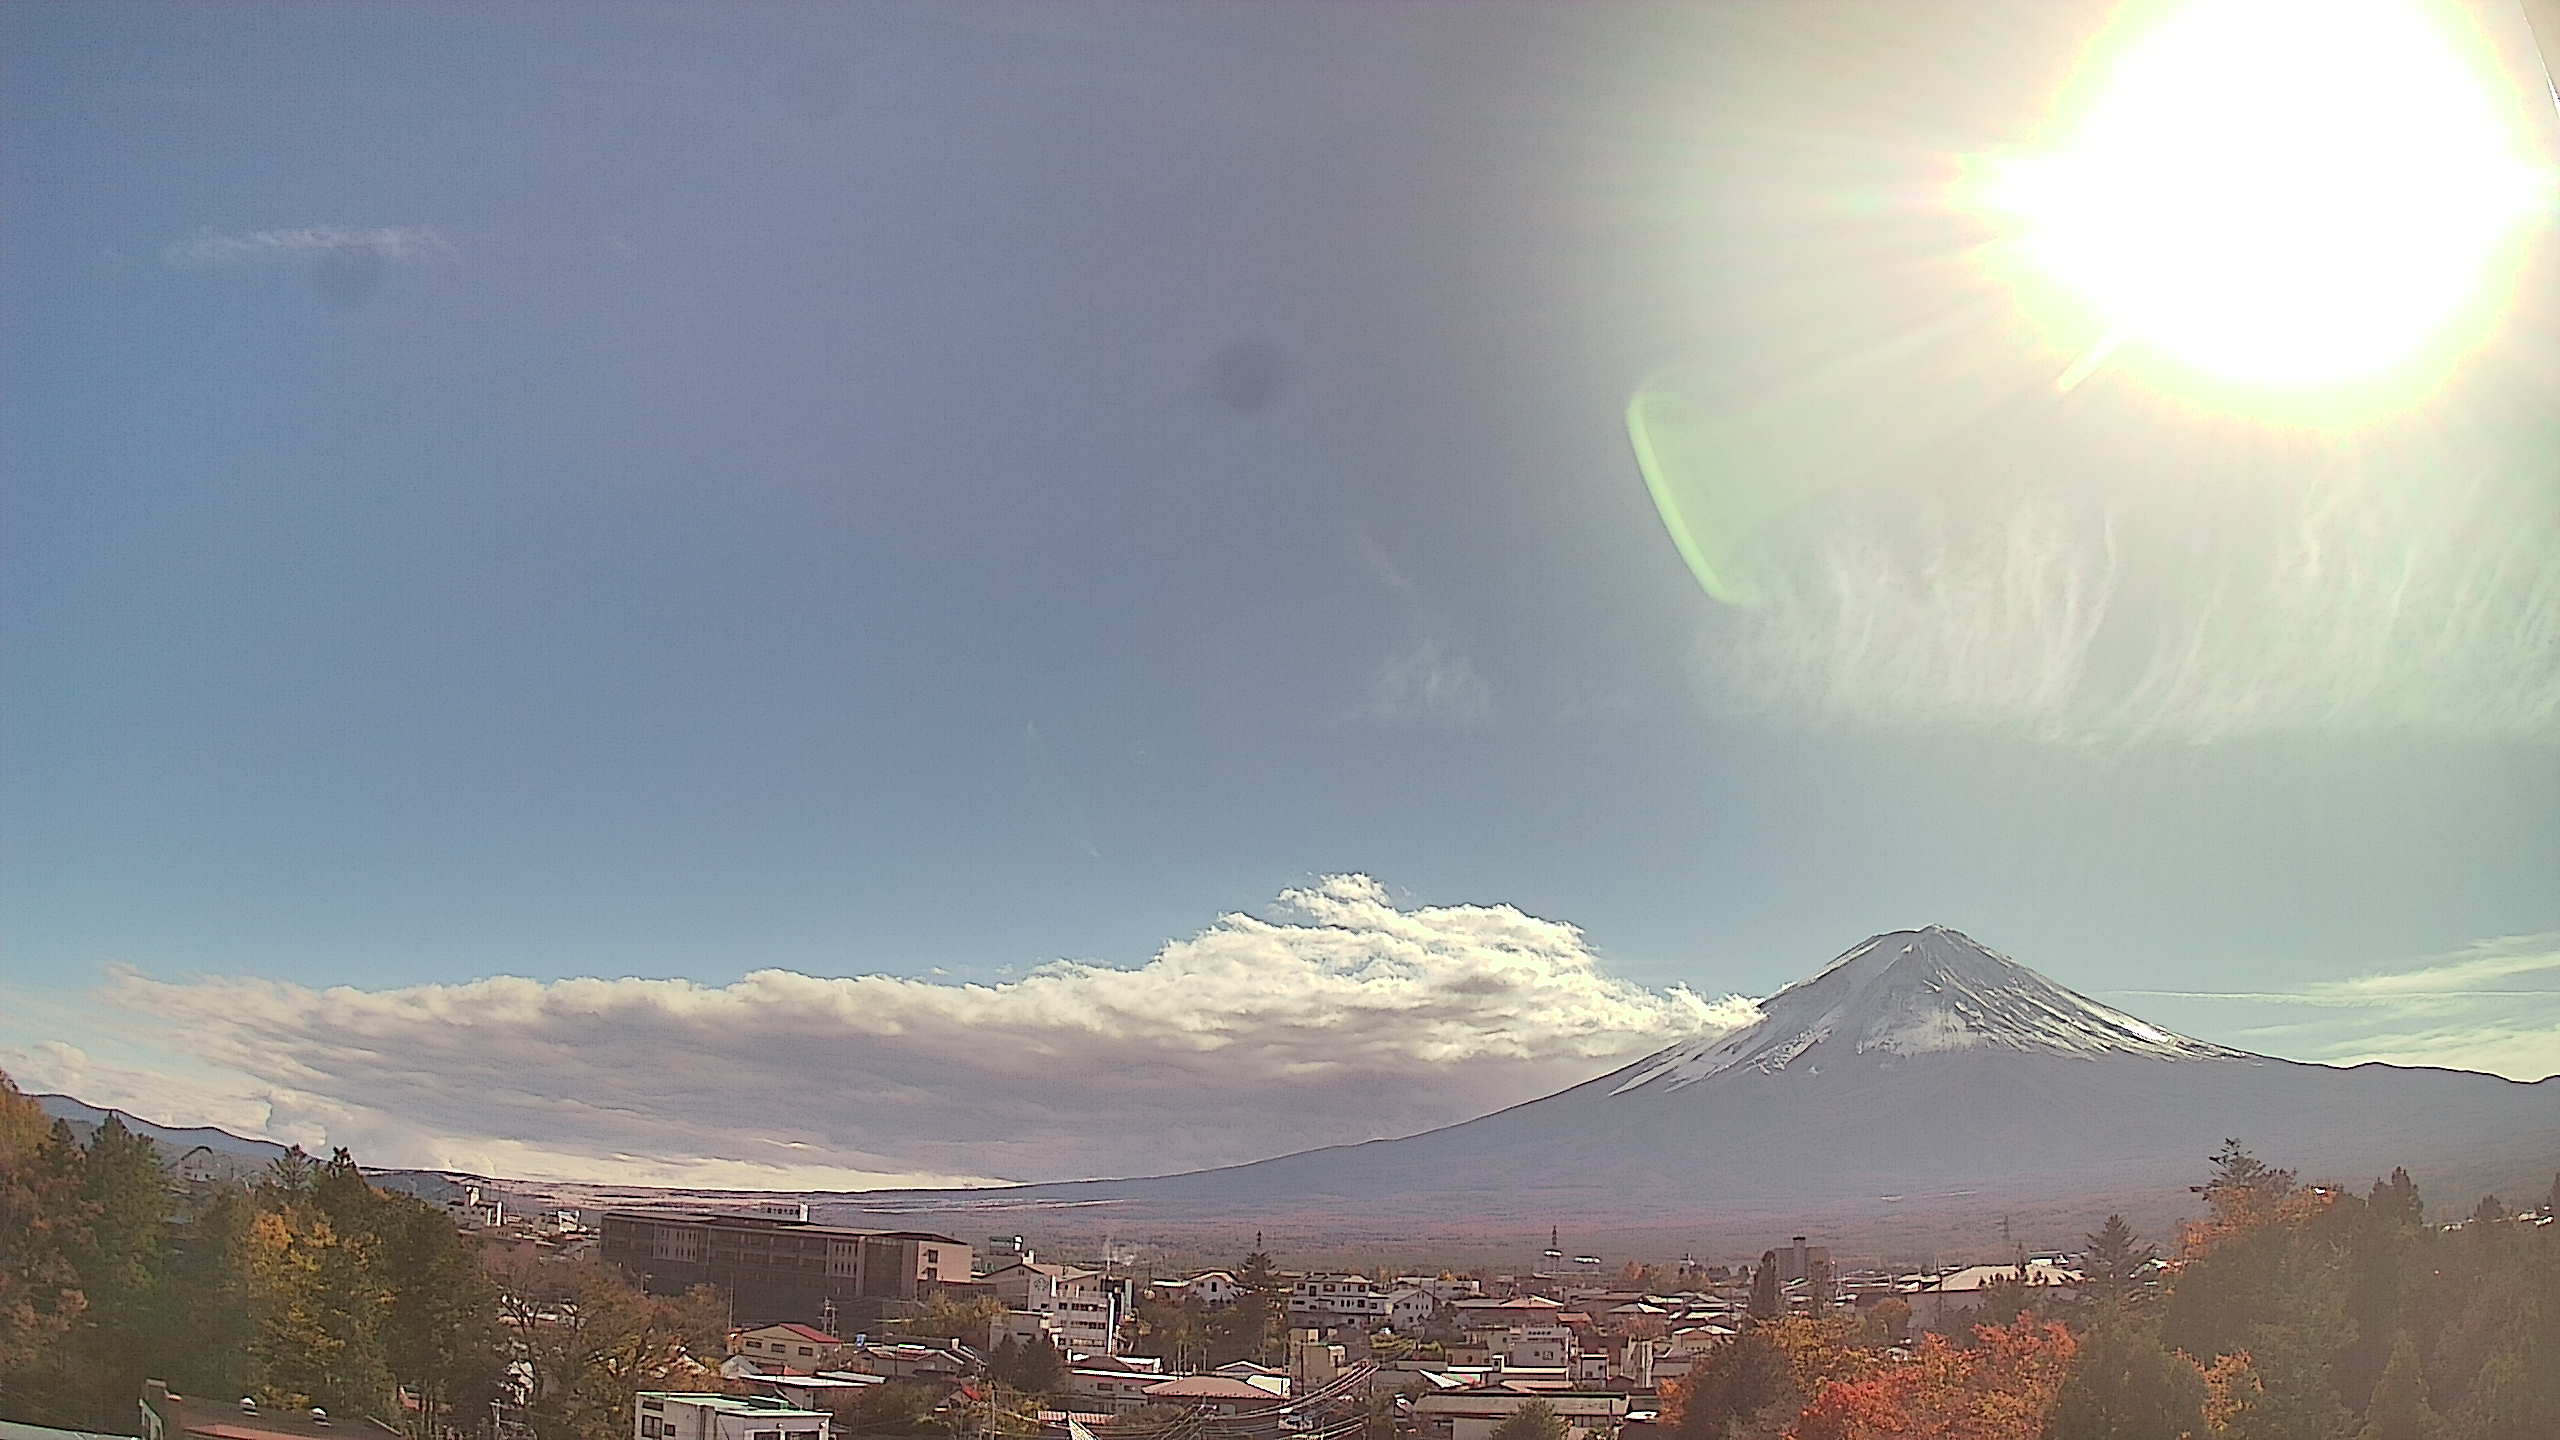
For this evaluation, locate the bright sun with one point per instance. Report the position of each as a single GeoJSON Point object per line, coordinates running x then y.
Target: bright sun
{"type": "Point", "coordinates": [2282, 192]}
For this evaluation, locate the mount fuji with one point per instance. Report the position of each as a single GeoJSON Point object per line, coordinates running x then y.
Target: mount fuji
{"type": "Point", "coordinates": [1920, 1070]}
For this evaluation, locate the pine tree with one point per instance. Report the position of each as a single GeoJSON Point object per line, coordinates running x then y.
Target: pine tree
{"type": "Point", "coordinates": [2296, 1400]}
{"type": "Point", "coordinates": [2111, 1266]}
{"type": "Point", "coordinates": [2489, 1211]}
{"type": "Point", "coordinates": [1766, 1300]}
{"type": "Point", "coordinates": [208, 1298]}
{"type": "Point", "coordinates": [2128, 1386]}
{"type": "Point", "coordinates": [2395, 1201]}
{"type": "Point", "coordinates": [2399, 1410]}
{"type": "Point", "coordinates": [124, 1192]}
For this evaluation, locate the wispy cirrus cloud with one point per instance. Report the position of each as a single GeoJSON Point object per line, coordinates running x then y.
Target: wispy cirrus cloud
{"type": "Point", "coordinates": [1425, 681]}
{"type": "Point", "coordinates": [2493, 1005]}
{"type": "Point", "coordinates": [408, 244]}
{"type": "Point", "coordinates": [1342, 1016]}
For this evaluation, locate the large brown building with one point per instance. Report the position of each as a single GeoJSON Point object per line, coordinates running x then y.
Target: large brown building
{"type": "Point", "coordinates": [784, 1270]}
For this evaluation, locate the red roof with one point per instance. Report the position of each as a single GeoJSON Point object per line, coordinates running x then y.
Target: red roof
{"type": "Point", "coordinates": [805, 1332]}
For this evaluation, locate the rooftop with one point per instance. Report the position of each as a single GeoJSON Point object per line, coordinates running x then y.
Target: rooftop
{"type": "Point", "coordinates": [735, 1404]}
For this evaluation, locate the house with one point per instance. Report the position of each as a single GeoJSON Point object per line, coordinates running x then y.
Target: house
{"type": "Point", "coordinates": [787, 1346]}
{"type": "Point", "coordinates": [1444, 1288]}
{"type": "Point", "coordinates": [813, 1392]}
{"type": "Point", "coordinates": [1109, 1391]}
{"type": "Point", "coordinates": [1216, 1289]}
{"type": "Point", "coordinates": [1214, 1394]}
{"type": "Point", "coordinates": [1948, 1299]}
{"type": "Point", "coordinates": [665, 1415]}
{"type": "Point", "coordinates": [1081, 1307]}
{"type": "Point", "coordinates": [905, 1360]}
{"type": "Point", "coordinates": [1484, 1314]}
{"type": "Point", "coordinates": [1409, 1308]}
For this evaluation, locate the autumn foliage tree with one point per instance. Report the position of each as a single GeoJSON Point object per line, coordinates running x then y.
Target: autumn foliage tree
{"type": "Point", "coordinates": [2002, 1386]}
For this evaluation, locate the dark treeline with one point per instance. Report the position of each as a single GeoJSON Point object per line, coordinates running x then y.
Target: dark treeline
{"type": "Point", "coordinates": [307, 1287]}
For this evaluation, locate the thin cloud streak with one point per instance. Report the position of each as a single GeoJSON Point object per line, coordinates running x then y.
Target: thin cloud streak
{"type": "Point", "coordinates": [2455, 1009]}
{"type": "Point", "coordinates": [408, 244]}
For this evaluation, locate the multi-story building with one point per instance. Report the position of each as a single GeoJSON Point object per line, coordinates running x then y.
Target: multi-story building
{"type": "Point", "coordinates": [783, 1270]}
{"type": "Point", "coordinates": [1082, 1307]}
{"type": "Point", "coordinates": [1337, 1300]}
{"type": "Point", "coordinates": [663, 1415]}
{"type": "Point", "coordinates": [1797, 1259]}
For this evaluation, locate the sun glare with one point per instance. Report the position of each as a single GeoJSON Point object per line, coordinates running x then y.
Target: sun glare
{"type": "Point", "coordinates": [2283, 193]}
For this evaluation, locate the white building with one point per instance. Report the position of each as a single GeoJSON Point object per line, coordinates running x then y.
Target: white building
{"type": "Point", "coordinates": [1082, 1312]}
{"type": "Point", "coordinates": [661, 1415]}
{"type": "Point", "coordinates": [1213, 1288]}
{"type": "Point", "coordinates": [1533, 1347]}
{"type": "Point", "coordinates": [1409, 1308]}
{"type": "Point", "coordinates": [1338, 1299]}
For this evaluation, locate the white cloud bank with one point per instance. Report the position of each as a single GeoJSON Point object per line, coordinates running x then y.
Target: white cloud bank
{"type": "Point", "coordinates": [1346, 1017]}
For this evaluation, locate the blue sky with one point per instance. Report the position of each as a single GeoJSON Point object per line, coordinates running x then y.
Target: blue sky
{"type": "Point", "coordinates": [930, 492]}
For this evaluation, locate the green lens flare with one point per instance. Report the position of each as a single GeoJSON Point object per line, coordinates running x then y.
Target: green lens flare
{"type": "Point", "coordinates": [1722, 526]}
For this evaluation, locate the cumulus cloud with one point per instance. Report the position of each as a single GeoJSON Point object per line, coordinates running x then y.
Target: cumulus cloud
{"type": "Point", "coordinates": [1344, 1016]}
{"type": "Point", "coordinates": [2492, 1006]}
{"type": "Point", "coordinates": [412, 244]}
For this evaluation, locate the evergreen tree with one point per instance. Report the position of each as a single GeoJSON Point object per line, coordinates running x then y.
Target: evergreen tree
{"type": "Point", "coordinates": [2296, 1400]}
{"type": "Point", "coordinates": [2489, 1211]}
{"type": "Point", "coordinates": [124, 1193]}
{"type": "Point", "coordinates": [1767, 1301]}
{"type": "Point", "coordinates": [2399, 1410]}
{"type": "Point", "coordinates": [291, 1173]}
{"type": "Point", "coordinates": [2395, 1201]}
{"type": "Point", "coordinates": [1535, 1420]}
{"type": "Point", "coordinates": [208, 1318]}
{"type": "Point", "coordinates": [2128, 1386]}
{"type": "Point", "coordinates": [2111, 1266]}
{"type": "Point", "coordinates": [1039, 1369]}
{"type": "Point", "coordinates": [439, 1331]}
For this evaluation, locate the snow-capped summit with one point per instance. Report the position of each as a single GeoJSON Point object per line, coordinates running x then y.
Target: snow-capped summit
{"type": "Point", "coordinates": [1920, 1079]}
{"type": "Point", "coordinates": [1915, 992]}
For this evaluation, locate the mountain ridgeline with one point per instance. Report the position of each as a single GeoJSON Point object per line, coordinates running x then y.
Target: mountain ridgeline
{"type": "Point", "coordinates": [1919, 1070]}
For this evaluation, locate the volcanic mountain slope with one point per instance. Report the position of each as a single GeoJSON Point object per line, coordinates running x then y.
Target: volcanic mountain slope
{"type": "Point", "coordinates": [1917, 1062]}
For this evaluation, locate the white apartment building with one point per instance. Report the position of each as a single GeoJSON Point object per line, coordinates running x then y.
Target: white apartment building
{"type": "Point", "coordinates": [1338, 1299]}
{"type": "Point", "coordinates": [1082, 1312]}
{"type": "Point", "coordinates": [664, 1415]}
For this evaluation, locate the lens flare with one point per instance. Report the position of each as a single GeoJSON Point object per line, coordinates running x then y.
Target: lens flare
{"type": "Point", "coordinates": [2284, 193]}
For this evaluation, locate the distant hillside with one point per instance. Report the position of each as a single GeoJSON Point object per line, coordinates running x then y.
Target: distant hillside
{"type": "Point", "coordinates": [176, 1140]}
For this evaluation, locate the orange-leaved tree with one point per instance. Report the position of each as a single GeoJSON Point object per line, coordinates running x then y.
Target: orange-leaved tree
{"type": "Point", "coordinates": [2001, 1387]}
